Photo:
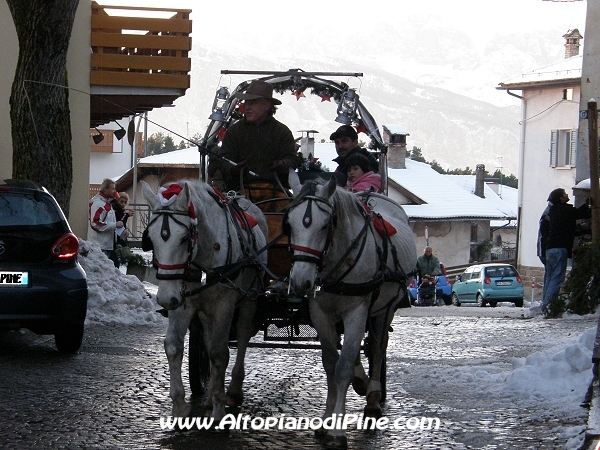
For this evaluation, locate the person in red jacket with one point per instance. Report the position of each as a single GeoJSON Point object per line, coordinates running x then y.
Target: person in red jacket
{"type": "Point", "coordinates": [102, 222]}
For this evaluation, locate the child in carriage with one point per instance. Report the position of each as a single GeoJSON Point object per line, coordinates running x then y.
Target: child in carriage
{"type": "Point", "coordinates": [360, 177]}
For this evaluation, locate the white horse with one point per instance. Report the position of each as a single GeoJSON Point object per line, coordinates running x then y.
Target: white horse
{"type": "Point", "coordinates": [193, 229]}
{"type": "Point", "coordinates": [361, 275]}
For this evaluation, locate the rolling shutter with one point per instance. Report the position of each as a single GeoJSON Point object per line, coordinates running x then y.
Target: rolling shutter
{"type": "Point", "coordinates": [573, 147]}
{"type": "Point", "coordinates": [553, 147]}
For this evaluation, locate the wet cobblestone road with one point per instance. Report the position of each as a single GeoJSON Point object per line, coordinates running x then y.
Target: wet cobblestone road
{"type": "Point", "coordinates": [112, 394]}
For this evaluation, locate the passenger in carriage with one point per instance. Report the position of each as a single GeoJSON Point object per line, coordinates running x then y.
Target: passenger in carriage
{"type": "Point", "coordinates": [346, 144]}
{"type": "Point", "coordinates": [360, 177]}
{"type": "Point", "coordinates": [258, 143]}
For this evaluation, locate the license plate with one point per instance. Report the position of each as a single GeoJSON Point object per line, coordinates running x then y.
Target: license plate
{"type": "Point", "coordinates": [503, 283]}
{"type": "Point", "coordinates": [14, 278]}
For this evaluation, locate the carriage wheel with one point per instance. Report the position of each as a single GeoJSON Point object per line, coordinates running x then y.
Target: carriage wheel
{"type": "Point", "coordinates": [199, 363]}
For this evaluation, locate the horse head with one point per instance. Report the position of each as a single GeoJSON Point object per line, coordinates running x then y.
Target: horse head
{"type": "Point", "coordinates": [172, 228]}
{"type": "Point", "coordinates": [310, 220]}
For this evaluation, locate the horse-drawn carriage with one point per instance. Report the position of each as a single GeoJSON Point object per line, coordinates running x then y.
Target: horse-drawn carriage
{"type": "Point", "coordinates": [302, 264]}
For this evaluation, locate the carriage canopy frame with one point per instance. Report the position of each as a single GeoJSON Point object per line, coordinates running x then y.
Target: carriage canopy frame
{"type": "Point", "coordinates": [295, 80]}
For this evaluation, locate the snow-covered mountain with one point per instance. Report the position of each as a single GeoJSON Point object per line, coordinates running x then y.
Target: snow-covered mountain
{"type": "Point", "coordinates": [437, 81]}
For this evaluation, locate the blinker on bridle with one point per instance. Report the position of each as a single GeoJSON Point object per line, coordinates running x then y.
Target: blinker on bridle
{"type": "Point", "coordinates": [317, 257]}
{"type": "Point", "coordinates": [165, 234]}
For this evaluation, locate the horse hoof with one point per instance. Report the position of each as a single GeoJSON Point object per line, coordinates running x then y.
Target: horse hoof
{"type": "Point", "coordinates": [320, 432]}
{"type": "Point", "coordinates": [235, 400]}
{"type": "Point", "coordinates": [359, 386]}
{"type": "Point", "coordinates": [374, 412]}
{"type": "Point", "coordinates": [182, 410]}
{"type": "Point", "coordinates": [336, 442]}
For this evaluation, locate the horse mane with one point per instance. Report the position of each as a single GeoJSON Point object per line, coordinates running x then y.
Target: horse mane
{"type": "Point", "coordinates": [346, 201]}
{"type": "Point", "coordinates": [198, 189]}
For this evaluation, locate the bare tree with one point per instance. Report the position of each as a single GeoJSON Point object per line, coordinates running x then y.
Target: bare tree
{"type": "Point", "coordinates": [39, 103]}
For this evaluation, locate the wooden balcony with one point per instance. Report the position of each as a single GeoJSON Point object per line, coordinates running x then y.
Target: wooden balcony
{"type": "Point", "coordinates": [137, 63]}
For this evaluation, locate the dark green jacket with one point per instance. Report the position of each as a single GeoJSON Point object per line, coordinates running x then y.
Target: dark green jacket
{"type": "Point", "coordinates": [428, 266]}
{"type": "Point", "coordinates": [260, 146]}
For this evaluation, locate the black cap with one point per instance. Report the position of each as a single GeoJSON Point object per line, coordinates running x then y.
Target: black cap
{"type": "Point", "coordinates": [344, 130]}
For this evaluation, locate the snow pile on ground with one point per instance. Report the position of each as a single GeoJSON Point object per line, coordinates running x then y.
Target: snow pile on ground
{"type": "Point", "coordinates": [112, 295]}
{"type": "Point", "coordinates": [552, 373]}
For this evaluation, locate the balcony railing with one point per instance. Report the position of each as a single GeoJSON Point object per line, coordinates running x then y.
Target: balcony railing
{"type": "Point", "coordinates": [149, 52]}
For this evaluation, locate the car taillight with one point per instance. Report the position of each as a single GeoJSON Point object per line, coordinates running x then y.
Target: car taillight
{"type": "Point", "coordinates": [487, 280]}
{"type": "Point", "coordinates": [66, 247]}
{"type": "Point", "coordinates": [519, 279]}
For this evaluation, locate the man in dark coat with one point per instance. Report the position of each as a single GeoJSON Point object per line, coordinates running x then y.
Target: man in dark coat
{"type": "Point", "coordinates": [346, 144]}
{"type": "Point", "coordinates": [258, 143]}
{"type": "Point", "coordinates": [557, 233]}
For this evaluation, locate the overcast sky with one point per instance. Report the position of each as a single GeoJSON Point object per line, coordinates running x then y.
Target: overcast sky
{"type": "Point", "coordinates": [234, 21]}
{"type": "Point", "coordinates": [317, 30]}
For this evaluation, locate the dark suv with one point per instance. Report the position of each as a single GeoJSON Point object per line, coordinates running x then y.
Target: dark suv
{"type": "Point", "coordinates": [42, 286]}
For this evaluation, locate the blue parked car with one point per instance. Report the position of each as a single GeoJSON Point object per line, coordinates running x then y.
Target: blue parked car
{"type": "Point", "coordinates": [488, 283]}
{"type": "Point", "coordinates": [443, 289]}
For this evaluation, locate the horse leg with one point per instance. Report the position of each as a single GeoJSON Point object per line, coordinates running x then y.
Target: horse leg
{"type": "Point", "coordinates": [179, 320]}
{"type": "Point", "coordinates": [216, 321]}
{"type": "Point", "coordinates": [328, 337]}
{"type": "Point", "coordinates": [244, 330]}
{"type": "Point", "coordinates": [360, 382]}
{"type": "Point", "coordinates": [379, 342]}
{"type": "Point", "coordinates": [354, 327]}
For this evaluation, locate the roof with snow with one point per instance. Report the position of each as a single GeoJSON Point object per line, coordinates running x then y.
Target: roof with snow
{"type": "Point", "coordinates": [565, 70]}
{"type": "Point", "coordinates": [445, 197]}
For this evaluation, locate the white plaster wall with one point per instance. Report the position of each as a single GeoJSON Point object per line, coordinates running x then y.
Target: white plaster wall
{"type": "Point", "coordinates": [451, 246]}
{"type": "Point", "coordinates": [110, 165]}
{"type": "Point", "coordinates": [590, 82]}
{"type": "Point", "coordinates": [9, 52]}
{"type": "Point", "coordinates": [538, 179]}
{"type": "Point", "coordinates": [78, 67]}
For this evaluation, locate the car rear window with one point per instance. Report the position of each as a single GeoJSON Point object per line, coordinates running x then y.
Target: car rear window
{"type": "Point", "coordinates": [497, 272]}
{"type": "Point", "coordinates": [21, 211]}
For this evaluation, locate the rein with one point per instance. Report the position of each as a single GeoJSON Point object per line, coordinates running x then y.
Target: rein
{"type": "Point", "coordinates": [339, 286]}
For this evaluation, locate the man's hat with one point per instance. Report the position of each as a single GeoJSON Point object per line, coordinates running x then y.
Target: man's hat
{"type": "Point", "coordinates": [259, 89]}
{"type": "Point", "coordinates": [344, 130]}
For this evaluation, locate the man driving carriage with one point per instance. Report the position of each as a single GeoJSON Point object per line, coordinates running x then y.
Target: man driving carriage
{"type": "Point", "coordinates": [258, 143]}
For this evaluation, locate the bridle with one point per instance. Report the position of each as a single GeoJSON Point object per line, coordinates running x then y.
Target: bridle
{"type": "Point", "coordinates": [165, 234]}
{"type": "Point", "coordinates": [313, 256]}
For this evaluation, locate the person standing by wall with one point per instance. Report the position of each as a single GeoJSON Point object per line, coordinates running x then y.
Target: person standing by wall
{"type": "Point", "coordinates": [102, 222]}
{"type": "Point", "coordinates": [555, 243]}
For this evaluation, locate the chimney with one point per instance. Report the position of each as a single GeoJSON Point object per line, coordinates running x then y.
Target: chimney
{"type": "Point", "coordinates": [307, 143]}
{"type": "Point", "coordinates": [394, 136]}
{"type": "Point", "coordinates": [572, 43]}
{"type": "Point", "coordinates": [479, 180]}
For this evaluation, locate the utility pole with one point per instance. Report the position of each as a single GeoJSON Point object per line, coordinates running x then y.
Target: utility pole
{"type": "Point", "coordinates": [592, 113]}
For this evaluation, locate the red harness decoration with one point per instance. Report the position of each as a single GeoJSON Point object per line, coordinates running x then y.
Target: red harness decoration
{"type": "Point", "coordinates": [382, 226]}
{"type": "Point", "coordinates": [252, 222]}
